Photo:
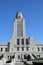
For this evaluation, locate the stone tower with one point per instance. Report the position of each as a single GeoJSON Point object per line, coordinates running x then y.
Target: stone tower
{"type": "Point", "coordinates": [19, 25]}
{"type": "Point", "coordinates": [19, 31]}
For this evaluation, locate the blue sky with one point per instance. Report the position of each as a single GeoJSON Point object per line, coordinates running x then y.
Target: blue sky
{"type": "Point", "coordinates": [33, 13]}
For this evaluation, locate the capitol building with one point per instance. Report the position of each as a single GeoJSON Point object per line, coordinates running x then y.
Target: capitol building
{"type": "Point", "coordinates": [21, 46]}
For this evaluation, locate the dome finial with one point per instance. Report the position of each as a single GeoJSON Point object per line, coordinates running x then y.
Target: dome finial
{"type": "Point", "coordinates": [19, 15]}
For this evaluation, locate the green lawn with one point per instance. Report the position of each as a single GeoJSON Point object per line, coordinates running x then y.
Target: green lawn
{"type": "Point", "coordinates": [29, 64]}
{"type": "Point", "coordinates": [39, 61]}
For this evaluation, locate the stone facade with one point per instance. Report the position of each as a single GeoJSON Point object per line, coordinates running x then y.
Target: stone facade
{"type": "Point", "coordinates": [21, 46]}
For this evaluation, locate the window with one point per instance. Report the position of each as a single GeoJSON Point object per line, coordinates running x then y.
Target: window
{"type": "Point", "coordinates": [27, 48]}
{"type": "Point", "coordinates": [2, 56]}
{"type": "Point", "coordinates": [1, 49]}
{"type": "Point", "coordinates": [38, 56]}
{"type": "Point", "coordinates": [19, 28]}
{"type": "Point", "coordinates": [42, 48]}
{"type": "Point", "coordinates": [27, 42]}
{"type": "Point", "coordinates": [17, 48]}
{"type": "Point", "coordinates": [18, 56]}
{"type": "Point", "coordinates": [6, 49]}
{"type": "Point", "coordinates": [22, 48]}
{"type": "Point", "coordinates": [22, 41]}
{"type": "Point", "coordinates": [24, 56]}
{"type": "Point", "coordinates": [8, 56]}
{"type": "Point", "coordinates": [18, 41]}
{"type": "Point", "coordinates": [38, 49]}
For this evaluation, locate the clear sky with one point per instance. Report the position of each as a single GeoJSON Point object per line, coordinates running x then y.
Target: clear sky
{"type": "Point", "coordinates": [33, 14]}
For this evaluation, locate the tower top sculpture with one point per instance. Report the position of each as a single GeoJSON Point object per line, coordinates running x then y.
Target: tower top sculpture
{"type": "Point", "coordinates": [19, 15]}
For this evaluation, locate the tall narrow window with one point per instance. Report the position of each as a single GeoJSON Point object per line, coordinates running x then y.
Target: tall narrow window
{"type": "Point", "coordinates": [1, 49]}
{"type": "Point", "coordinates": [8, 56]}
{"type": "Point", "coordinates": [22, 48]}
{"type": "Point", "coordinates": [18, 56]}
{"type": "Point", "coordinates": [22, 41]}
{"type": "Point", "coordinates": [5, 49]}
{"type": "Point", "coordinates": [27, 48]}
{"type": "Point", "coordinates": [27, 42]}
{"type": "Point", "coordinates": [18, 41]}
{"type": "Point", "coordinates": [17, 48]}
{"type": "Point", "coordinates": [42, 48]}
{"type": "Point", "coordinates": [19, 28]}
{"type": "Point", "coordinates": [38, 49]}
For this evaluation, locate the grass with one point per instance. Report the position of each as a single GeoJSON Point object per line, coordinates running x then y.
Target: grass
{"type": "Point", "coordinates": [39, 61]}
{"type": "Point", "coordinates": [29, 64]}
